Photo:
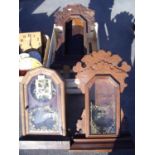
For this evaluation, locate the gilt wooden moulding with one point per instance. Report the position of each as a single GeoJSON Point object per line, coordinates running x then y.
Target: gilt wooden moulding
{"type": "Point", "coordinates": [101, 77]}
{"type": "Point", "coordinates": [42, 103]}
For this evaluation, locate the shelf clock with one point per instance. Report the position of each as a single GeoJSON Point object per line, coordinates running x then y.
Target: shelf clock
{"type": "Point", "coordinates": [42, 103]}
{"type": "Point", "coordinates": [101, 78]}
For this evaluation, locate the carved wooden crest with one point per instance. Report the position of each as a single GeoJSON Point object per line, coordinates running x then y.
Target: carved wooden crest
{"type": "Point", "coordinates": [75, 10]}
{"type": "Point", "coordinates": [101, 62]}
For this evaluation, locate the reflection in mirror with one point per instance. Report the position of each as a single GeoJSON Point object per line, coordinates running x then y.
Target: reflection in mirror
{"type": "Point", "coordinates": [103, 98]}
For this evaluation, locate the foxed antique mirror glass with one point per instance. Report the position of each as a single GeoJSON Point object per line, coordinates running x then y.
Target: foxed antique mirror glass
{"type": "Point", "coordinates": [102, 107]}
{"type": "Point", "coordinates": [43, 108]}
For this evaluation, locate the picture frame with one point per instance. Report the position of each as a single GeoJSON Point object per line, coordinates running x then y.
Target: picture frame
{"type": "Point", "coordinates": [42, 103]}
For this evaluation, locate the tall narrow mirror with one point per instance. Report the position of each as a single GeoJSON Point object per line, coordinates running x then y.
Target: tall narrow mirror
{"type": "Point", "coordinates": [102, 107]}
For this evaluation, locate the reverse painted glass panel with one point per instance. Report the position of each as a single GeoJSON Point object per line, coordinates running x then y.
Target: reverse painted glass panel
{"type": "Point", "coordinates": [43, 99]}
{"type": "Point", "coordinates": [102, 97]}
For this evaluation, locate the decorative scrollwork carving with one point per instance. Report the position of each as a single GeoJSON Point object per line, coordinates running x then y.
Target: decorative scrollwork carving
{"type": "Point", "coordinates": [101, 62]}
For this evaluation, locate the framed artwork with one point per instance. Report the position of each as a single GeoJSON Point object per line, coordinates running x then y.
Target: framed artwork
{"type": "Point", "coordinates": [102, 104]}
{"type": "Point", "coordinates": [42, 103]}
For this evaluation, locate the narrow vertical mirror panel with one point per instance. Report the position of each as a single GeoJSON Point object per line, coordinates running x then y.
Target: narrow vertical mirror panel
{"type": "Point", "coordinates": [102, 108]}
{"type": "Point", "coordinates": [103, 104]}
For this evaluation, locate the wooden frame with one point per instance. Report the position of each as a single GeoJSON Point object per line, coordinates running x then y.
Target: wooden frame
{"type": "Point", "coordinates": [79, 11]}
{"type": "Point", "coordinates": [101, 62]}
{"type": "Point", "coordinates": [105, 64]}
{"type": "Point", "coordinates": [71, 10]}
{"type": "Point", "coordinates": [60, 105]}
{"type": "Point", "coordinates": [89, 85]}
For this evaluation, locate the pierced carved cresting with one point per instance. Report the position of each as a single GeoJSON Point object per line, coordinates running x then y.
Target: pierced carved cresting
{"type": "Point", "coordinates": [101, 62]}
